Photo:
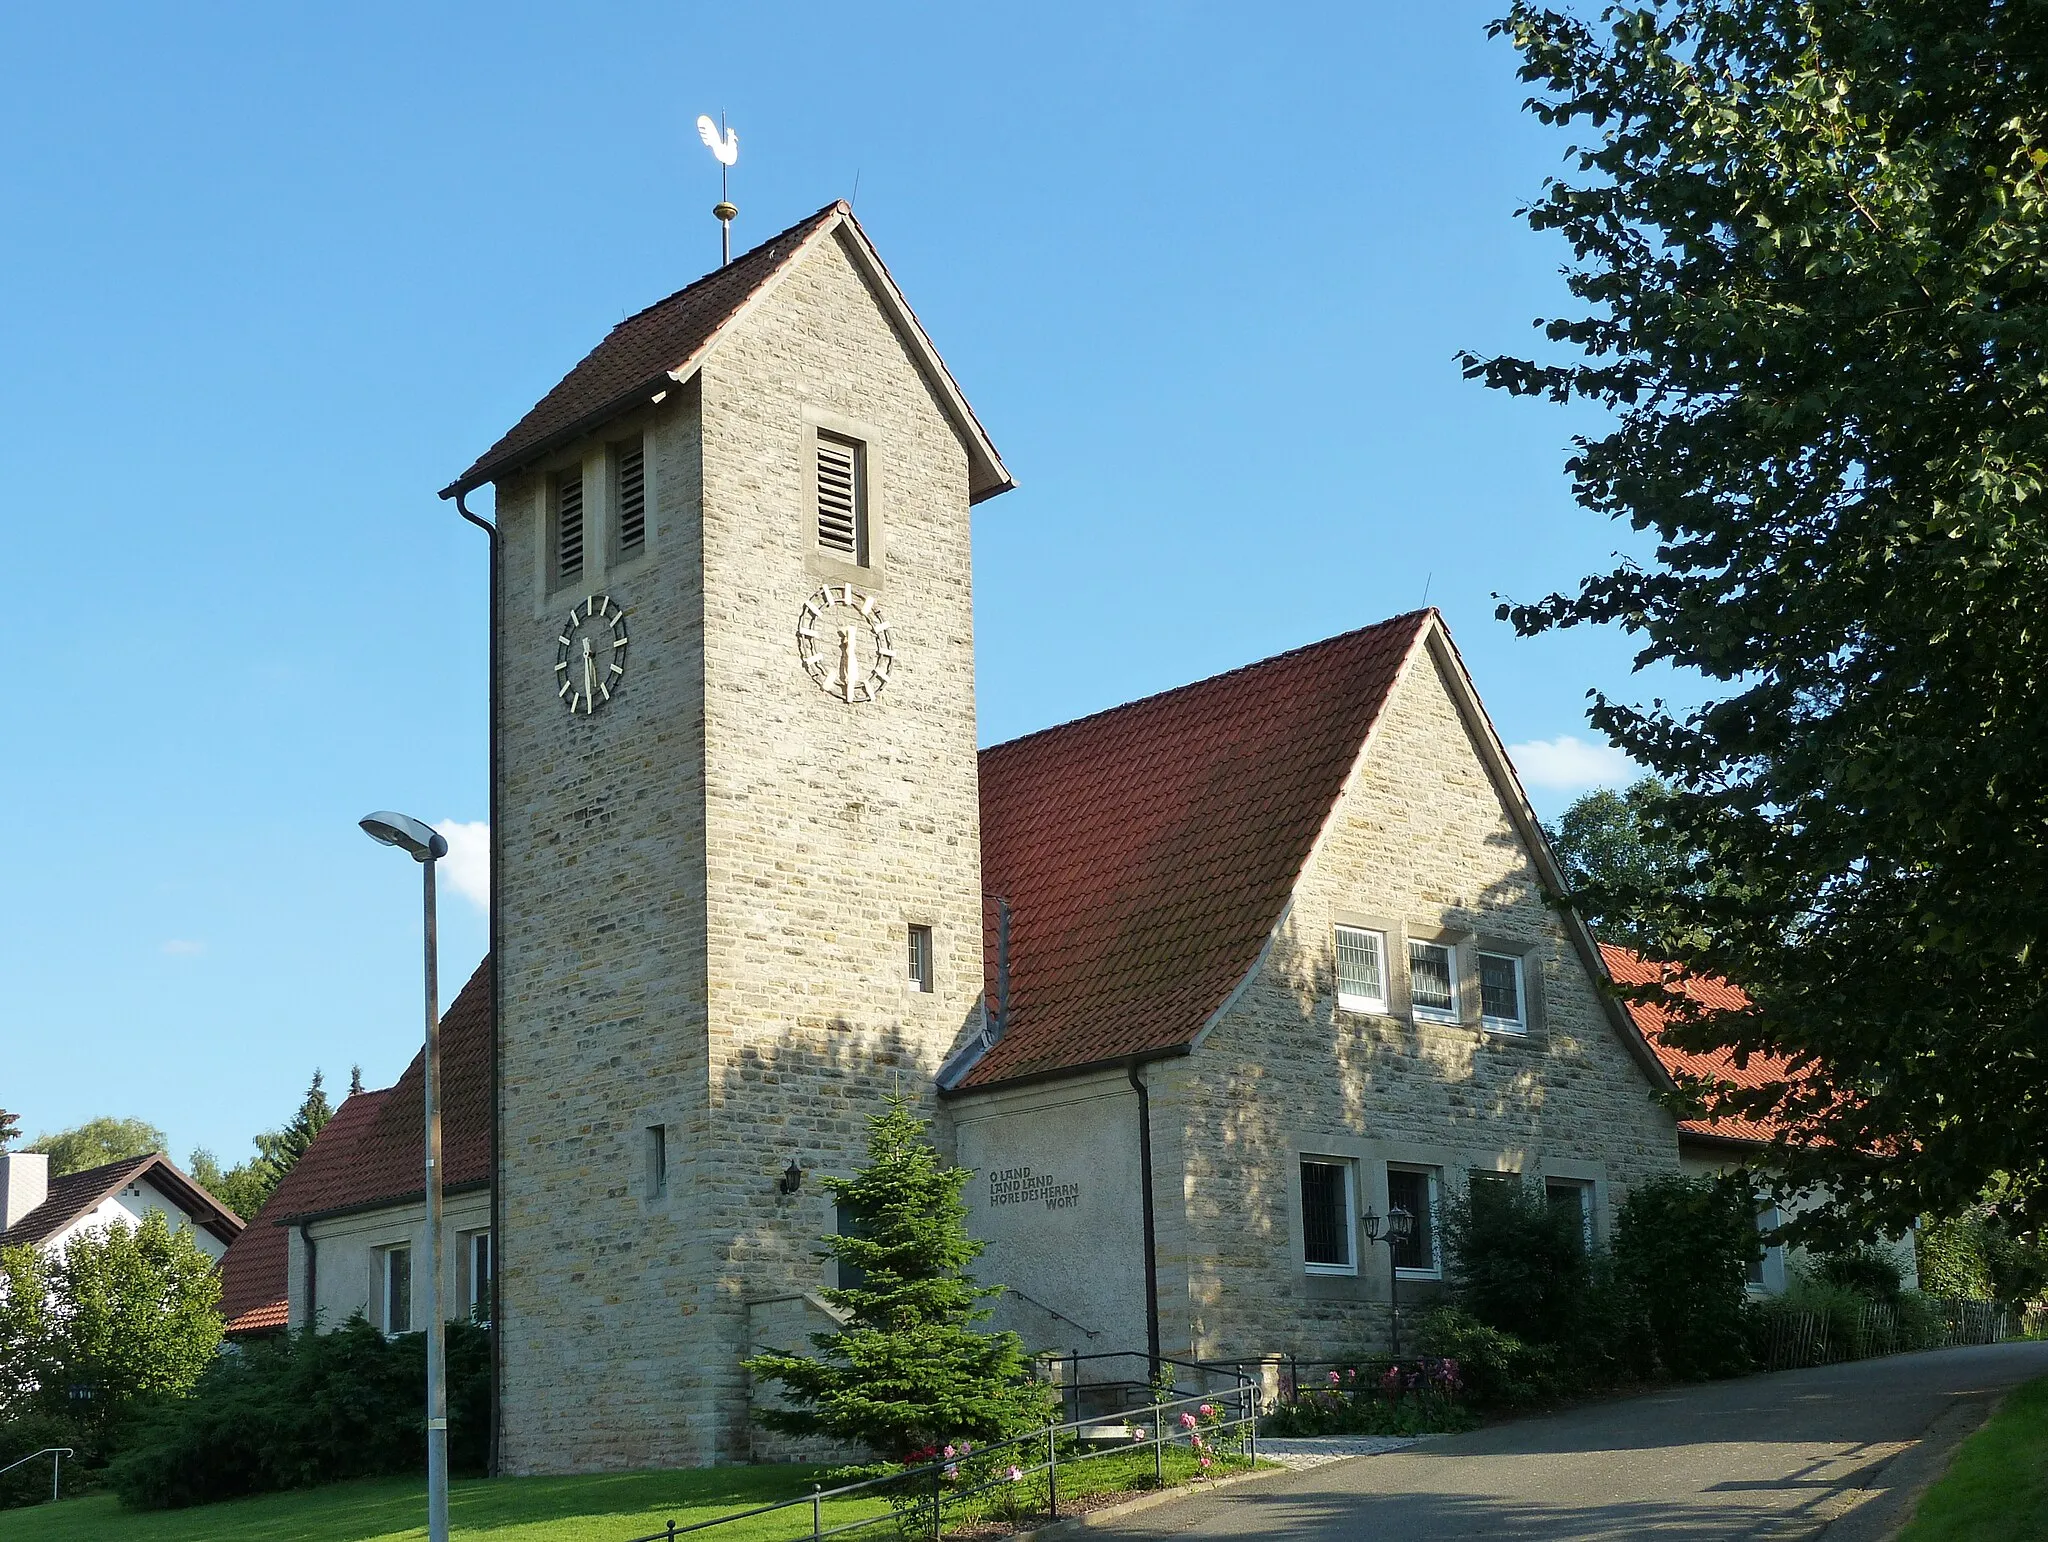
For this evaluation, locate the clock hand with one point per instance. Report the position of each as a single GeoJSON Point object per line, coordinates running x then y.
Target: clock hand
{"type": "Point", "coordinates": [589, 678]}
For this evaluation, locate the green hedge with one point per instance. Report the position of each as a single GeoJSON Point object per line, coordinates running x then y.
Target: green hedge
{"type": "Point", "coordinates": [304, 1409]}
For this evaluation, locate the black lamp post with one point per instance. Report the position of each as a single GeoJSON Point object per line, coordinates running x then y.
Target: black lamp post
{"type": "Point", "coordinates": [1400, 1227]}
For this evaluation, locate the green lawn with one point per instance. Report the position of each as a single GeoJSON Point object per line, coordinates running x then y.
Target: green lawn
{"type": "Point", "coordinates": [1997, 1489]}
{"type": "Point", "coordinates": [606, 1508]}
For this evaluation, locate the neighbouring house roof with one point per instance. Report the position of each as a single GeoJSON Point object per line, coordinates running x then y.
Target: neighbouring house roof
{"type": "Point", "coordinates": [371, 1154]}
{"type": "Point", "coordinates": [76, 1195]}
{"type": "Point", "coordinates": [663, 345]}
{"type": "Point", "coordinates": [255, 1272]}
{"type": "Point", "coordinates": [1718, 1065]}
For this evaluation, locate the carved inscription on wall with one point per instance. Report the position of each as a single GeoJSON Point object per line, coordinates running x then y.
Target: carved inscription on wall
{"type": "Point", "coordinates": [1023, 1186]}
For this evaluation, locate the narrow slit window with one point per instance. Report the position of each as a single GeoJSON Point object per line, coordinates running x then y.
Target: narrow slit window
{"type": "Point", "coordinates": [657, 1160]}
{"type": "Point", "coordinates": [1326, 1210]}
{"type": "Point", "coordinates": [479, 1258]}
{"type": "Point", "coordinates": [397, 1290]}
{"type": "Point", "coordinates": [1361, 970]}
{"type": "Point", "coordinates": [630, 459]}
{"type": "Point", "coordinates": [1433, 981]}
{"type": "Point", "coordinates": [569, 526]}
{"type": "Point", "coordinates": [842, 498]}
{"type": "Point", "coordinates": [1500, 993]}
{"type": "Point", "coordinates": [920, 958]}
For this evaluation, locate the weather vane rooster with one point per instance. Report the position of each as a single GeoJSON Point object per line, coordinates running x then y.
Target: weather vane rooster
{"type": "Point", "coordinates": [725, 146]}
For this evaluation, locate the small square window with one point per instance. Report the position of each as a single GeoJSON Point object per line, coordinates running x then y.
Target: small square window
{"type": "Point", "coordinates": [1571, 1197]}
{"type": "Point", "coordinates": [657, 1160]}
{"type": "Point", "coordinates": [1327, 1206]}
{"type": "Point", "coordinates": [1361, 970]}
{"type": "Point", "coordinates": [397, 1289]}
{"type": "Point", "coordinates": [920, 958]}
{"type": "Point", "coordinates": [1501, 1004]}
{"type": "Point", "coordinates": [1433, 980]}
{"type": "Point", "coordinates": [1414, 1189]}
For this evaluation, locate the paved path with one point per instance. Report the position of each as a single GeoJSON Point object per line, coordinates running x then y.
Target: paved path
{"type": "Point", "coordinates": [1765, 1456]}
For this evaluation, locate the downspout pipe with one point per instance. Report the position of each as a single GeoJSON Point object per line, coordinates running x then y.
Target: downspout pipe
{"type": "Point", "coordinates": [311, 1249]}
{"type": "Point", "coordinates": [1151, 1234]}
{"type": "Point", "coordinates": [497, 1069]}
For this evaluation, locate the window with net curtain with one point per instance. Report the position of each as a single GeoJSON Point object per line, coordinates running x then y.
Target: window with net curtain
{"type": "Point", "coordinates": [1361, 970]}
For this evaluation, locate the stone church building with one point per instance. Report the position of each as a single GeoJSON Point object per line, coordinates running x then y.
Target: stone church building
{"type": "Point", "coordinates": [1191, 984]}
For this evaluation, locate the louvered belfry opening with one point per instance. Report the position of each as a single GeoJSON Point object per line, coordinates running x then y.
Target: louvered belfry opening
{"type": "Point", "coordinates": [569, 525]}
{"type": "Point", "coordinates": [631, 460]}
{"type": "Point", "coordinates": [842, 498]}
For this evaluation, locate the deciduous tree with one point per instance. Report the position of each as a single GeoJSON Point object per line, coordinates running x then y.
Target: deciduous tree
{"type": "Point", "coordinates": [1809, 242]}
{"type": "Point", "coordinates": [97, 1142]}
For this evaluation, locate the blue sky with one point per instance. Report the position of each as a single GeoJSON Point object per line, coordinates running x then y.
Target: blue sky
{"type": "Point", "coordinates": [273, 275]}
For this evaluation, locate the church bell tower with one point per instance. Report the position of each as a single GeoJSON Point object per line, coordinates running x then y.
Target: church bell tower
{"type": "Point", "coordinates": [737, 834]}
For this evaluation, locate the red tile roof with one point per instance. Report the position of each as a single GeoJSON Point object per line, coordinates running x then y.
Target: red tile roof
{"type": "Point", "coordinates": [254, 1273]}
{"type": "Point", "coordinates": [1147, 851]}
{"type": "Point", "coordinates": [1757, 1070]}
{"type": "Point", "coordinates": [634, 360]}
{"type": "Point", "coordinates": [372, 1153]}
{"type": "Point", "coordinates": [76, 1195]}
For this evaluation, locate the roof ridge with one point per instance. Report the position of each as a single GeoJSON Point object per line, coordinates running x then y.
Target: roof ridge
{"type": "Point", "coordinates": [711, 273]}
{"type": "Point", "coordinates": [1208, 680]}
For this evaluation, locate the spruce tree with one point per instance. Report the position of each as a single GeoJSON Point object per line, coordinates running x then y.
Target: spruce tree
{"type": "Point", "coordinates": [909, 1370]}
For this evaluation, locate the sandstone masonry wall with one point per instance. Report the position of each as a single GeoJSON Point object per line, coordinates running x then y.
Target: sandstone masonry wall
{"type": "Point", "coordinates": [1419, 845]}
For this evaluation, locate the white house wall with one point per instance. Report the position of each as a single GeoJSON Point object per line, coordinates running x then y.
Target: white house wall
{"type": "Point", "coordinates": [131, 1206]}
{"type": "Point", "coordinates": [346, 1265]}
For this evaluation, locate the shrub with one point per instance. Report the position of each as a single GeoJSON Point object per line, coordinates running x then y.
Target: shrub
{"type": "Point", "coordinates": [32, 1431]}
{"type": "Point", "coordinates": [1415, 1397]}
{"type": "Point", "coordinates": [1682, 1251]}
{"type": "Point", "coordinates": [1864, 1271]}
{"type": "Point", "coordinates": [1498, 1369]}
{"type": "Point", "coordinates": [1518, 1263]}
{"type": "Point", "coordinates": [304, 1409]}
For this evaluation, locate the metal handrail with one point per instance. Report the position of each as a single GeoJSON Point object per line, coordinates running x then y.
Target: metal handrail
{"type": "Point", "coordinates": [935, 1472]}
{"type": "Point", "coordinates": [56, 1454]}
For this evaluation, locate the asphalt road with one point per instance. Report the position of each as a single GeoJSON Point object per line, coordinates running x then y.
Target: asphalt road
{"type": "Point", "coordinates": [1844, 1447]}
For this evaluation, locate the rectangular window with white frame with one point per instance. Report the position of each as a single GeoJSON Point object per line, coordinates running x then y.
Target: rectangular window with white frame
{"type": "Point", "coordinates": [394, 1270]}
{"type": "Point", "coordinates": [1417, 1190]}
{"type": "Point", "coordinates": [1329, 1201]}
{"type": "Point", "coordinates": [1433, 981]}
{"type": "Point", "coordinates": [1361, 969]}
{"type": "Point", "coordinates": [1503, 1002]}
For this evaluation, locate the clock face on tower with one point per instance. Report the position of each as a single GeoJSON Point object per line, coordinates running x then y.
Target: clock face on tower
{"type": "Point", "coordinates": [590, 654]}
{"type": "Point", "coordinates": [844, 644]}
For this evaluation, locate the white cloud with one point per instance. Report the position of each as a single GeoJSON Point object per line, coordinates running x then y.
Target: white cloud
{"type": "Point", "coordinates": [1571, 764]}
{"type": "Point", "coordinates": [467, 867]}
{"type": "Point", "coordinates": [183, 947]}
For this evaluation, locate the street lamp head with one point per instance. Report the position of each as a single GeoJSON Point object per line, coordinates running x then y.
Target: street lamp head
{"type": "Point", "coordinates": [1400, 1225]}
{"type": "Point", "coordinates": [423, 842]}
{"type": "Point", "coordinates": [1371, 1220]}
